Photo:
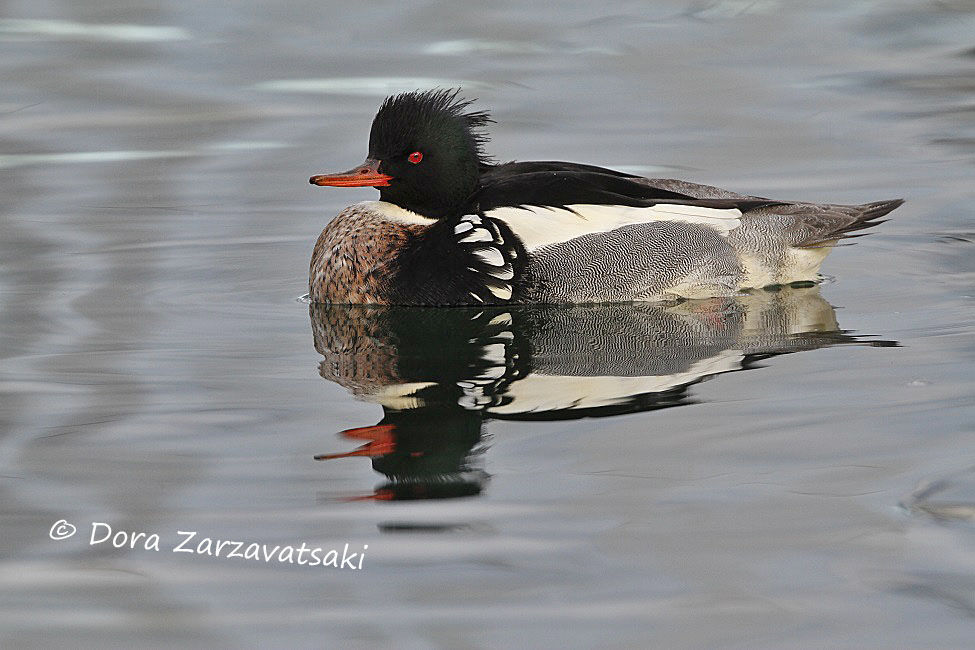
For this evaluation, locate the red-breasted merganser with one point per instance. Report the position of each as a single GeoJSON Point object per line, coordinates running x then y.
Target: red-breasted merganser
{"type": "Point", "coordinates": [453, 228]}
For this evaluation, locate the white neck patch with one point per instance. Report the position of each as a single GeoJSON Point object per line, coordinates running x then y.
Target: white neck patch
{"type": "Point", "coordinates": [392, 212]}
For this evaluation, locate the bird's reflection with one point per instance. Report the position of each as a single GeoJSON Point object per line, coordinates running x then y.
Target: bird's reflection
{"type": "Point", "coordinates": [439, 374]}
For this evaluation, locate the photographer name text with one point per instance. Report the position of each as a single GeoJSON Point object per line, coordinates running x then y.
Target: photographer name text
{"type": "Point", "coordinates": [190, 541]}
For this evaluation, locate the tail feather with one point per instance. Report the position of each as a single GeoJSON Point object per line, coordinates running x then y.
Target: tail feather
{"type": "Point", "coordinates": [858, 217]}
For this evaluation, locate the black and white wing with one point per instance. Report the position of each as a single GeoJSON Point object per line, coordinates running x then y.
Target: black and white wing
{"type": "Point", "coordinates": [491, 255]}
{"type": "Point", "coordinates": [546, 203]}
{"type": "Point", "coordinates": [469, 260]}
{"type": "Point", "coordinates": [593, 235]}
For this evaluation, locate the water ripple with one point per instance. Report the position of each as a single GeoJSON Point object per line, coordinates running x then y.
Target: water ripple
{"type": "Point", "coordinates": [366, 86]}
{"type": "Point", "coordinates": [27, 29]}
{"type": "Point", "coordinates": [10, 161]}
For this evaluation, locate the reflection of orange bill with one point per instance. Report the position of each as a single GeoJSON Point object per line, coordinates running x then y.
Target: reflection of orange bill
{"type": "Point", "coordinates": [381, 437]}
{"type": "Point", "coordinates": [380, 495]}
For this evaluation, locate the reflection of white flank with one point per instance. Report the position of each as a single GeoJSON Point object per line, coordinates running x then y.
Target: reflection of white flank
{"type": "Point", "coordinates": [539, 393]}
{"type": "Point", "coordinates": [399, 396]}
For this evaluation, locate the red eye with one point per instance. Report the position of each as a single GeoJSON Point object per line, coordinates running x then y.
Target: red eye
{"type": "Point", "coordinates": [415, 157]}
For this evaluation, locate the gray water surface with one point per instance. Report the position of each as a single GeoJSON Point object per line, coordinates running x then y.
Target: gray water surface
{"type": "Point", "coordinates": [787, 469]}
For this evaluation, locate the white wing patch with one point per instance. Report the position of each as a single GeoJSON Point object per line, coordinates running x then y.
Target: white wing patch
{"type": "Point", "coordinates": [539, 226]}
{"type": "Point", "coordinates": [490, 256]}
{"type": "Point", "coordinates": [505, 272]}
{"type": "Point", "coordinates": [502, 292]}
{"type": "Point", "coordinates": [476, 235]}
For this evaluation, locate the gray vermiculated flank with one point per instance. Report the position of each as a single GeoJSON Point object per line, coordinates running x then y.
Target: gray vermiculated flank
{"type": "Point", "coordinates": [638, 261]}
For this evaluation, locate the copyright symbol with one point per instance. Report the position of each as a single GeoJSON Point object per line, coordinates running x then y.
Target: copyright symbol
{"type": "Point", "coordinates": [61, 530]}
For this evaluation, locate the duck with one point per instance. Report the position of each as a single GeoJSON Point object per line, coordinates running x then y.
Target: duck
{"type": "Point", "coordinates": [452, 227]}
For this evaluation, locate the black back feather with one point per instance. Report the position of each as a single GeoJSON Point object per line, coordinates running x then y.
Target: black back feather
{"type": "Point", "coordinates": [558, 184]}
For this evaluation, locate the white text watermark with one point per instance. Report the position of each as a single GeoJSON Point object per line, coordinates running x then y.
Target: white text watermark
{"type": "Point", "coordinates": [192, 542]}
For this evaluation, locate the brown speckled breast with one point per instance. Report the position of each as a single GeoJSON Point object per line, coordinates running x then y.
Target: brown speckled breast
{"type": "Point", "coordinates": [354, 260]}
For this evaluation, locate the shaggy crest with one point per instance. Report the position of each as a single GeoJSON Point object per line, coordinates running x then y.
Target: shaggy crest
{"type": "Point", "coordinates": [425, 116]}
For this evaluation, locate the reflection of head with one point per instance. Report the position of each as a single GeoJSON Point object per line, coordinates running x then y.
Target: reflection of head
{"type": "Point", "coordinates": [425, 452]}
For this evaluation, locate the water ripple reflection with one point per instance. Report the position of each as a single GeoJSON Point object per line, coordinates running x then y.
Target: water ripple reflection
{"type": "Point", "coordinates": [440, 374]}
